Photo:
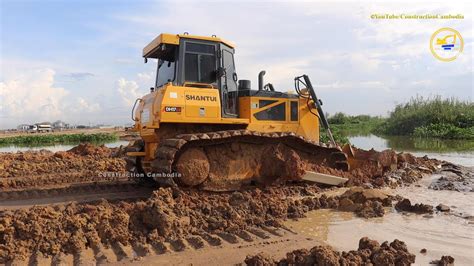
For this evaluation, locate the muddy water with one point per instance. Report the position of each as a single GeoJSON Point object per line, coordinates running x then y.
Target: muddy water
{"type": "Point", "coordinates": [455, 151]}
{"type": "Point", "coordinates": [58, 147]}
{"type": "Point", "coordinates": [441, 234]}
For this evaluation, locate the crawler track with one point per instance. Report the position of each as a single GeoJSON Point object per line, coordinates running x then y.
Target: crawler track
{"type": "Point", "coordinates": [227, 159]}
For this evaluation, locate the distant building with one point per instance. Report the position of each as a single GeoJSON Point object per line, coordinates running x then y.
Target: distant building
{"type": "Point", "coordinates": [105, 126]}
{"type": "Point", "coordinates": [23, 127]}
{"type": "Point", "coordinates": [60, 125]}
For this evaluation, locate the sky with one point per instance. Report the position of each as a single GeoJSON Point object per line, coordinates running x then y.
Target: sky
{"type": "Point", "coordinates": [80, 61]}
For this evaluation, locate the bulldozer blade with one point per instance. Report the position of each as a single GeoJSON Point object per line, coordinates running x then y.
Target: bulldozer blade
{"type": "Point", "coordinates": [348, 150]}
{"type": "Point", "coordinates": [324, 178]}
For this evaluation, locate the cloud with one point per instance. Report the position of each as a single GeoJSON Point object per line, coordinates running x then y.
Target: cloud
{"type": "Point", "coordinates": [336, 43]}
{"type": "Point", "coordinates": [32, 95]}
{"type": "Point", "coordinates": [78, 76]}
{"type": "Point", "coordinates": [146, 78]}
{"type": "Point", "coordinates": [82, 106]}
{"type": "Point", "coordinates": [128, 91]}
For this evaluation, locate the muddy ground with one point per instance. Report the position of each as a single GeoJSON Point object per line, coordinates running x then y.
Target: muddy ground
{"type": "Point", "coordinates": [172, 218]}
{"type": "Point", "coordinates": [83, 163]}
{"type": "Point", "coordinates": [370, 252]}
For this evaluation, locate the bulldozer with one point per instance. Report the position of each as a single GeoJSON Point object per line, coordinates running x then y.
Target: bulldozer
{"type": "Point", "coordinates": [202, 126]}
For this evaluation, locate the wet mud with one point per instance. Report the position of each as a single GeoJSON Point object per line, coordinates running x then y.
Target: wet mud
{"type": "Point", "coordinates": [83, 163]}
{"type": "Point", "coordinates": [169, 215]}
{"type": "Point", "coordinates": [175, 216]}
{"type": "Point", "coordinates": [369, 252]}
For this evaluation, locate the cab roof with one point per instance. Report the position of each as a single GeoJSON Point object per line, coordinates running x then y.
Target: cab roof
{"type": "Point", "coordinates": [151, 50]}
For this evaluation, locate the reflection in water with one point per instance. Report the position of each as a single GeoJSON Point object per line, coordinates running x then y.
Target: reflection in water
{"type": "Point", "coordinates": [455, 151]}
{"type": "Point", "coordinates": [425, 144]}
{"type": "Point", "coordinates": [57, 147]}
{"type": "Point", "coordinates": [404, 143]}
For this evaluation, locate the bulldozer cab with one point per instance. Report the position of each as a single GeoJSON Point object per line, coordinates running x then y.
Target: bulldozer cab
{"type": "Point", "coordinates": [199, 62]}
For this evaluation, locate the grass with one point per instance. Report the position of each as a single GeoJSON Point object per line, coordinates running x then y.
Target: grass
{"type": "Point", "coordinates": [343, 126]}
{"type": "Point", "coordinates": [431, 117]}
{"type": "Point", "coordinates": [37, 139]}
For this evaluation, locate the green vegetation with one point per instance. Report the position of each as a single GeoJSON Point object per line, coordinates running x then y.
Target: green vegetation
{"type": "Point", "coordinates": [338, 136]}
{"type": "Point", "coordinates": [36, 139]}
{"type": "Point", "coordinates": [431, 117]}
{"type": "Point", "coordinates": [343, 125]}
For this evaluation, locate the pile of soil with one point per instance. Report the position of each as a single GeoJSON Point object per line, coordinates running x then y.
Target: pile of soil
{"type": "Point", "coordinates": [381, 169]}
{"type": "Point", "coordinates": [169, 215]}
{"type": "Point", "coordinates": [85, 149]}
{"type": "Point", "coordinates": [444, 261]}
{"type": "Point", "coordinates": [420, 208]}
{"type": "Point", "coordinates": [370, 252]}
{"type": "Point", "coordinates": [85, 162]}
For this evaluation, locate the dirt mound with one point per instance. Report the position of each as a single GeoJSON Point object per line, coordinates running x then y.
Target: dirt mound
{"type": "Point", "coordinates": [370, 252]}
{"type": "Point", "coordinates": [261, 259]}
{"type": "Point", "coordinates": [37, 169]}
{"type": "Point", "coordinates": [420, 208]}
{"type": "Point", "coordinates": [85, 149]}
{"type": "Point", "coordinates": [365, 203]}
{"type": "Point", "coordinates": [444, 261]}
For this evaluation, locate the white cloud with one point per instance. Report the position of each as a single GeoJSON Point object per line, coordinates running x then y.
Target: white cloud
{"type": "Point", "coordinates": [128, 91]}
{"type": "Point", "coordinates": [146, 78]}
{"type": "Point", "coordinates": [336, 43]}
{"type": "Point", "coordinates": [32, 95]}
{"type": "Point", "coordinates": [83, 106]}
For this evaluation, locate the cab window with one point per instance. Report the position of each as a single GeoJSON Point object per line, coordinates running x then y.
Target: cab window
{"type": "Point", "coordinates": [165, 72]}
{"type": "Point", "coordinates": [199, 63]}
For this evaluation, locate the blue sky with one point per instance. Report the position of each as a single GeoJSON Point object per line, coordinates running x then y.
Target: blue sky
{"type": "Point", "coordinates": [80, 61]}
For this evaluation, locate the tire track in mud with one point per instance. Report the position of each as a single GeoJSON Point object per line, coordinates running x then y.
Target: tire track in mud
{"type": "Point", "coordinates": [119, 253]}
{"type": "Point", "coordinates": [77, 192]}
{"type": "Point", "coordinates": [170, 220]}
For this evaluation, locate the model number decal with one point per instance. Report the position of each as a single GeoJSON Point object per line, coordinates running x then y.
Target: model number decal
{"type": "Point", "coordinates": [172, 109]}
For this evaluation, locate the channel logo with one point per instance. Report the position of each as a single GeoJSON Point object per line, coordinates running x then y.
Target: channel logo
{"type": "Point", "coordinates": [446, 44]}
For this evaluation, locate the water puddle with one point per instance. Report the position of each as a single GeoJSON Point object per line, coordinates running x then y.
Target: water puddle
{"type": "Point", "coordinates": [441, 234]}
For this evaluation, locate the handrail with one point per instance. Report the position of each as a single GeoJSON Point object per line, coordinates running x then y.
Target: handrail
{"type": "Point", "coordinates": [199, 85]}
{"type": "Point", "coordinates": [133, 109]}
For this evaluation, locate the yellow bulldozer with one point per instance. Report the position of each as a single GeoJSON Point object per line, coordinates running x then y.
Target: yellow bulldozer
{"type": "Point", "coordinates": [202, 126]}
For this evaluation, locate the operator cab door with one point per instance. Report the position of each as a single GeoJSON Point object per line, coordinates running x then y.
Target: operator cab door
{"type": "Point", "coordinates": [198, 62]}
{"type": "Point", "coordinates": [228, 83]}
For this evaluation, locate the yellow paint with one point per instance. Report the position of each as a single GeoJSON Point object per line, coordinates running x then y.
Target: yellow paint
{"type": "Point", "coordinates": [161, 106]}
{"type": "Point", "coordinates": [173, 39]}
{"type": "Point", "coordinates": [189, 105]}
{"type": "Point", "coordinates": [198, 103]}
